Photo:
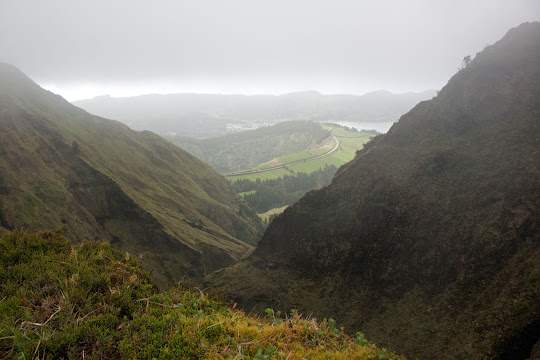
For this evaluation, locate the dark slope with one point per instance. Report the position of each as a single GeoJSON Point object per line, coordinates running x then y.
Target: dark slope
{"type": "Point", "coordinates": [429, 241]}
{"type": "Point", "coordinates": [96, 178]}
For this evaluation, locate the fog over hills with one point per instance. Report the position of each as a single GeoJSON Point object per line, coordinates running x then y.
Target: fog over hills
{"type": "Point", "coordinates": [190, 179]}
{"type": "Point", "coordinates": [247, 47]}
{"type": "Point", "coordinates": [207, 115]}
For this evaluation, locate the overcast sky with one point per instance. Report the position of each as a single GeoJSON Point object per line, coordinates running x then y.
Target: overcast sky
{"type": "Point", "coordinates": [81, 49]}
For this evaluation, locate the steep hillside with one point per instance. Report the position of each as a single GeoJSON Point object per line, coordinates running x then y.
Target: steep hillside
{"type": "Point", "coordinates": [93, 302]}
{"type": "Point", "coordinates": [207, 115]}
{"type": "Point", "coordinates": [429, 240]}
{"type": "Point", "coordinates": [247, 149]}
{"type": "Point", "coordinates": [62, 167]}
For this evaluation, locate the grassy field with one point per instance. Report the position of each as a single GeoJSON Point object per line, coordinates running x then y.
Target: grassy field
{"type": "Point", "coordinates": [266, 216]}
{"type": "Point", "coordinates": [263, 175]}
{"type": "Point", "coordinates": [350, 142]}
{"type": "Point", "coordinates": [303, 155]}
{"type": "Point", "coordinates": [320, 151]}
{"type": "Point", "coordinates": [294, 157]}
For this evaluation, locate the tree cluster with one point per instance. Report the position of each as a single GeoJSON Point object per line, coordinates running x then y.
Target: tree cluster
{"type": "Point", "coordinates": [273, 193]}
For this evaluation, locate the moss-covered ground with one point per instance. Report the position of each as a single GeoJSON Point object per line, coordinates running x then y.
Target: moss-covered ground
{"type": "Point", "coordinates": [93, 302]}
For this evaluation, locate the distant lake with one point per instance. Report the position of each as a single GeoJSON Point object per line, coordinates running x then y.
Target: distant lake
{"type": "Point", "coordinates": [381, 127]}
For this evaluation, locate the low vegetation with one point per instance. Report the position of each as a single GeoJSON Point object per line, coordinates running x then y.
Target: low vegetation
{"type": "Point", "coordinates": [91, 301]}
{"type": "Point", "coordinates": [264, 195]}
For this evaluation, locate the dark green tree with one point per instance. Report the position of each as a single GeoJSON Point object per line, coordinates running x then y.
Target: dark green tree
{"type": "Point", "coordinates": [466, 61]}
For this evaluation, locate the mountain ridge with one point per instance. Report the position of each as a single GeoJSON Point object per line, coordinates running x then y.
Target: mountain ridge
{"type": "Point", "coordinates": [207, 115]}
{"type": "Point", "coordinates": [62, 167]}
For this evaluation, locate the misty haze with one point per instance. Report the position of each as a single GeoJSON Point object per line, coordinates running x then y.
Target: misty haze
{"type": "Point", "coordinates": [269, 179]}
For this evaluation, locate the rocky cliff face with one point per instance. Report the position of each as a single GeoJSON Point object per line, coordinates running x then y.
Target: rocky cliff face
{"type": "Point", "coordinates": [428, 241]}
{"type": "Point", "coordinates": [96, 178]}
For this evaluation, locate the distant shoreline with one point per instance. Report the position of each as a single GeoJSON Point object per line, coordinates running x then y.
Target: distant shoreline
{"type": "Point", "coordinates": [381, 127]}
